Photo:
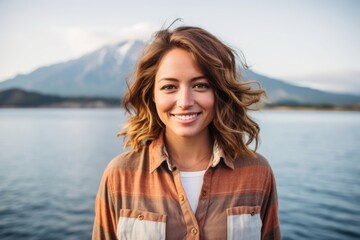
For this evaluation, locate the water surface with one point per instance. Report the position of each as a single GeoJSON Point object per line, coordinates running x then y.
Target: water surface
{"type": "Point", "coordinates": [51, 162]}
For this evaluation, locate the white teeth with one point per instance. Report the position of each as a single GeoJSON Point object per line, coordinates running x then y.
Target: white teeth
{"type": "Point", "coordinates": [185, 117]}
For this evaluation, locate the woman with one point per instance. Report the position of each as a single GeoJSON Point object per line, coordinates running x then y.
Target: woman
{"type": "Point", "coordinates": [190, 173]}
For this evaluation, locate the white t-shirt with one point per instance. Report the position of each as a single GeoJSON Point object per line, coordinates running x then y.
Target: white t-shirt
{"type": "Point", "coordinates": [192, 183]}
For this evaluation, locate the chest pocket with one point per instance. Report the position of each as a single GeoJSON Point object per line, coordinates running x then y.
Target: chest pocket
{"type": "Point", "coordinates": [136, 224]}
{"type": "Point", "coordinates": [243, 223]}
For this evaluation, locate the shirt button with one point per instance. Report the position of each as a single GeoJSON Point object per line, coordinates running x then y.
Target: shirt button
{"type": "Point", "coordinates": [141, 217]}
{"type": "Point", "coordinates": [204, 193]}
{"type": "Point", "coordinates": [182, 198]}
{"type": "Point", "coordinates": [194, 231]}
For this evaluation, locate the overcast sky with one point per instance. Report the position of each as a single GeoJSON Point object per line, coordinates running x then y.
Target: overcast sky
{"type": "Point", "coordinates": [310, 42]}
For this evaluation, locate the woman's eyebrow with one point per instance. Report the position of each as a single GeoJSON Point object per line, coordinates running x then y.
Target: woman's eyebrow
{"type": "Point", "coordinates": [177, 80]}
{"type": "Point", "coordinates": [198, 78]}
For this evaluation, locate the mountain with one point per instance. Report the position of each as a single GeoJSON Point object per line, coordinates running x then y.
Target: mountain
{"type": "Point", "coordinates": [103, 73]}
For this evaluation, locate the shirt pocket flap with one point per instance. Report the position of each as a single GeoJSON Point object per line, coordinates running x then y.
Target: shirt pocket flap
{"type": "Point", "coordinates": [252, 210]}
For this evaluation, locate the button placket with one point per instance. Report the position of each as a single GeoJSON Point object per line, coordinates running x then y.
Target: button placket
{"type": "Point", "coordinates": [189, 217]}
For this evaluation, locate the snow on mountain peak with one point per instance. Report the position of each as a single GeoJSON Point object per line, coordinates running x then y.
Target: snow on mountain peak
{"type": "Point", "coordinates": [101, 56]}
{"type": "Point", "coordinates": [124, 48]}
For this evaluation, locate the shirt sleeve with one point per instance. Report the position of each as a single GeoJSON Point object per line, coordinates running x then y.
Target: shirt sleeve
{"type": "Point", "coordinates": [105, 219]}
{"type": "Point", "coordinates": [271, 227]}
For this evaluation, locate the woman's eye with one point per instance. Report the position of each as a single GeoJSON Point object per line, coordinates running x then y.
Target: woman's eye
{"type": "Point", "coordinates": [202, 86]}
{"type": "Point", "coordinates": [167, 87]}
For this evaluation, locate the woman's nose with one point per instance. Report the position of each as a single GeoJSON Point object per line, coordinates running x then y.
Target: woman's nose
{"type": "Point", "coordinates": [185, 99]}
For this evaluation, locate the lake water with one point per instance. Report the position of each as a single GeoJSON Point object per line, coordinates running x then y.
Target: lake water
{"type": "Point", "coordinates": [51, 162]}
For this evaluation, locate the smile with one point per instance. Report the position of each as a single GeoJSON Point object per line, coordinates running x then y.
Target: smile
{"type": "Point", "coordinates": [186, 117]}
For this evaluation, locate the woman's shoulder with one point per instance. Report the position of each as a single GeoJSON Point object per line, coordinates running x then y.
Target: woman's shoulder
{"type": "Point", "coordinates": [260, 159]}
{"type": "Point", "coordinates": [127, 159]}
{"type": "Point", "coordinates": [122, 166]}
{"type": "Point", "coordinates": [254, 160]}
{"type": "Point", "coordinates": [254, 166]}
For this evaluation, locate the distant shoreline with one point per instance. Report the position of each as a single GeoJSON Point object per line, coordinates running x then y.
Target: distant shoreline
{"type": "Point", "coordinates": [313, 108]}
{"type": "Point", "coordinates": [102, 105]}
{"type": "Point", "coordinates": [18, 98]}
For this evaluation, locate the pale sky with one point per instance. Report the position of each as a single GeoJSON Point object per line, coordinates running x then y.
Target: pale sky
{"type": "Point", "coordinates": [310, 42]}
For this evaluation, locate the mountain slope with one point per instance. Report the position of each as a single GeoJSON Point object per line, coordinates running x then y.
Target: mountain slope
{"type": "Point", "coordinates": [281, 92]}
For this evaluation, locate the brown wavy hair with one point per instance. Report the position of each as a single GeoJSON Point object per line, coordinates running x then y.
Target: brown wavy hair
{"type": "Point", "coordinates": [232, 127]}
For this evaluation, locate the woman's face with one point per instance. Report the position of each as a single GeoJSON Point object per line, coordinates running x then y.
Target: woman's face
{"type": "Point", "coordinates": [182, 95]}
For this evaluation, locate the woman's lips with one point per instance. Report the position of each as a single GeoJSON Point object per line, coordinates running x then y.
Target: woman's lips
{"type": "Point", "coordinates": [183, 117]}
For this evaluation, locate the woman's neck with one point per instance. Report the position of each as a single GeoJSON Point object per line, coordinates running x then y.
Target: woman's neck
{"type": "Point", "coordinates": [189, 154]}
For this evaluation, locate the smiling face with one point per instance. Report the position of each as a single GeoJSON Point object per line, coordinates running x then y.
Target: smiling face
{"type": "Point", "coordinates": [183, 97]}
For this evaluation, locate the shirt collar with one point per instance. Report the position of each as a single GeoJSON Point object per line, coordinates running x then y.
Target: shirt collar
{"type": "Point", "coordinates": [218, 154]}
{"type": "Point", "coordinates": [158, 155]}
